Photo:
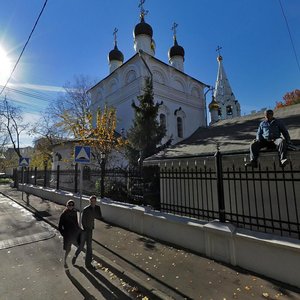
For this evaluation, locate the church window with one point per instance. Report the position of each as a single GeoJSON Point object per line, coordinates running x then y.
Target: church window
{"type": "Point", "coordinates": [179, 127]}
{"type": "Point", "coordinates": [162, 120]}
{"type": "Point", "coordinates": [130, 76]}
{"type": "Point", "coordinates": [219, 112]}
{"type": "Point", "coordinates": [229, 110]}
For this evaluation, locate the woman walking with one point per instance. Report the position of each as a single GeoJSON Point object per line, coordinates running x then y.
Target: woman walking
{"type": "Point", "coordinates": [69, 229]}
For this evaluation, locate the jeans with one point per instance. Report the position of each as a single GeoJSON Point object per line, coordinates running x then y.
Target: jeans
{"type": "Point", "coordinates": [86, 237]}
{"type": "Point", "coordinates": [279, 144]}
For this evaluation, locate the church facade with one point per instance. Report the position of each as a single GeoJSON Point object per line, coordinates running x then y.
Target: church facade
{"type": "Point", "coordinates": [183, 108]}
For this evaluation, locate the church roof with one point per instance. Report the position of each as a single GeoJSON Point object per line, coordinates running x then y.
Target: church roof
{"type": "Point", "coordinates": [232, 135]}
{"type": "Point", "coordinates": [223, 91]}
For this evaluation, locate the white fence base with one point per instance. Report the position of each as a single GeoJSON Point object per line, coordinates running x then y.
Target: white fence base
{"type": "Point", "coordinates": [266, 254]}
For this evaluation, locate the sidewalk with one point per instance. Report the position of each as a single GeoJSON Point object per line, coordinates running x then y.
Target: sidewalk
{"type": "Point", "coordinates": [162, 269]}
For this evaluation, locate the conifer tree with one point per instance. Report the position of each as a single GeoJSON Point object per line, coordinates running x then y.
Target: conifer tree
{"type": "Point", "coordinates": [146, 133]}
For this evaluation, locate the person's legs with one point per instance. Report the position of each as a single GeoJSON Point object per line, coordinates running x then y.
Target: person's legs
{"type": "Point", "coordinates": [67, 251]}
{"type": "Point", "coordinates": [255, 148]}
{"type": "Point", "coordinates": [89, 251]}
{"type": "Point", "coordinates": [80, 246]}
{"type": "Point", "coordinates": [282, 150]}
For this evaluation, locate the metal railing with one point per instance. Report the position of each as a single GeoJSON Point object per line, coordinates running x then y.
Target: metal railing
{"type": "Point", "coordinates": [265, 199]}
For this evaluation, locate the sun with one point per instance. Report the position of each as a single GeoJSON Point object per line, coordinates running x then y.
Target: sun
{"type": "Point", "coordinates": [5, 66]}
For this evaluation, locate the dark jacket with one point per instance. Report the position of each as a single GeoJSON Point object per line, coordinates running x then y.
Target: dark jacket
{"type": "Point", "coordinates": [272, 130]}
{"type": "Point", "coordinates": [68, 226]}
{"type": "Point", "coordinates": [88, 217]}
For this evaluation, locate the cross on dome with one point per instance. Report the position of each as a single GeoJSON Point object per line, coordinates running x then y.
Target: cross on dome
{"type": "Point", "coordinates": [143, 11]}
{"type": "Point", "coordinates": [175, 25]}
{"type": "Point", "coordinates": [115, 35]}
{"type": "Point", "coordinates": [219, 58]}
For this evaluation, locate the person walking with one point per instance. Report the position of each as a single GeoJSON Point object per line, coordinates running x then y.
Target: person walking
{"type": "Point", "coordinates": [88, 224]}
{"type": "Point", "coordinates": [69, 228]}
{"type": "Point", "coordinates": [269, 136]}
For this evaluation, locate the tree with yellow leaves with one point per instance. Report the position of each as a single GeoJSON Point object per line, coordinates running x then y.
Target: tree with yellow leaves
{"type": "Point", "coordinates": [100, 135]}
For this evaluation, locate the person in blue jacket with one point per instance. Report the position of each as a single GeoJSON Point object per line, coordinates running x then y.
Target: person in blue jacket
{"type": "Point", "coordinates": [269, 135]}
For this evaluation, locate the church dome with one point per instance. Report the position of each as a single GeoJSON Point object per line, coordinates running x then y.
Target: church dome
{"type": "Point", "coordinates": [143, 28]}
{"type": "Point", "coordinates": [116, 54]}
{"type": "Point", "coordinates": [213, 105]}
{"type": "Point", "coordinates": [176, 50]}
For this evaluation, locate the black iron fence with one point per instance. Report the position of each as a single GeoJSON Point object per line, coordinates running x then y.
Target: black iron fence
{"type": "Point", "coordinates": [125, 185]}
{"type": "Point", "coordinates": [217, 187]}
{"type": "Point", "coordinates": [265, 199]}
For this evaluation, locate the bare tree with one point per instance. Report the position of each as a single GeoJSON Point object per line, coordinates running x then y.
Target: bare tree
{"type": "Point", "coordinates": [12, 121]}
{"type": "Point", "coordinates": [73, 107]}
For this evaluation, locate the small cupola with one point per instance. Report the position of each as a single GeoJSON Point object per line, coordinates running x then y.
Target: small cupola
{"type": "Point", "coordinates": [143, 34]}
{"type": "Point", "coordinates": [214, 111]}
{"type": "Point", "coordinates": [176, 52]}
{"type": "Point", "coordinates": [115, 56]}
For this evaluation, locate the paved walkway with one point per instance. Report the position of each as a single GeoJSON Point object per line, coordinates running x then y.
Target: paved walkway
{"type": "Point", "coordinates": [165, 271]}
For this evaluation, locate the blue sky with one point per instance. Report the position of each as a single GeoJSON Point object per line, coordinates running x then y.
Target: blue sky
{"type": "Point", "coordinates": [74, 37]}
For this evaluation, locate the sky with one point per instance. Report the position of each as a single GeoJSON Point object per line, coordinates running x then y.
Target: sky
{"type": "Point", "coordinates": [74, 37]}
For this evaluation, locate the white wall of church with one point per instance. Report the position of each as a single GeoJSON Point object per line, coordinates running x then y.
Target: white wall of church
{"type": "Point", "coordinates": [182, 96]}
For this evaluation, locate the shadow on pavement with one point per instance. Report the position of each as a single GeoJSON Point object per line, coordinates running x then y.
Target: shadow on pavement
{"type": "Point", "coordinates": [111, 293]}
{"type": "Point", "coordinates": [80, 288]}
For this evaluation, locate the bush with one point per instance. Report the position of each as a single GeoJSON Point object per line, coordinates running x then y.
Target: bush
{"type": "Point", "coordinates": [5, 180]}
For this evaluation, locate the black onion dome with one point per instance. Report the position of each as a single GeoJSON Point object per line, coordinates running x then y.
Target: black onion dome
{"type": "Point", "coordinates": [116, 54]}
{"type": "Point", "coordinates": [143, 28]}
{"type": "Point", "coordinates": [176, 50]}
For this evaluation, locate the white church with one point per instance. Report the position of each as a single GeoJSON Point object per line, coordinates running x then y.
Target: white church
{"type": "Point", "coordinates": [183, 109]}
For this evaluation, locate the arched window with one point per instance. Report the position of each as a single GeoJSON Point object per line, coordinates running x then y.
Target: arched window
{"type": "Point", "coordinates": [229, 110]}
{"type": "Point", "coordinates": [179, 127]}
{"type": "Point", "coordinates": [162, 120]}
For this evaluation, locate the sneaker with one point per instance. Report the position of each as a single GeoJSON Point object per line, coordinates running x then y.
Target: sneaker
{"type": "Point", "coordinates": [284, 162]}
{"type": "Point", "coordinates": [74, 260]}
{"type": "Point", "coordinates": [251, 163]}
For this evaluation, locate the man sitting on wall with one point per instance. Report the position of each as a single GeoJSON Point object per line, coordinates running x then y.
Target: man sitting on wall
{"type": "Point", "coordinates": [269, 136]}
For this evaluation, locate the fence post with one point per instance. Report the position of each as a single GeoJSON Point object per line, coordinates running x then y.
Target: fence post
{"type": "Point", "coordinates": [45, 176]}
{"type": "Point", "coordinates": [57, 178]}
{"type": "Point", "coordinates": [220, 188]}
{"type": "Point", "coordinates": [102, 163]}
{"type": "Point", "coordinates": [75, 178]}
{"type": "Point", "coordinates": [28, 175]}
{"type": "Point", "coordinates": [35, 175]}
{"type": "Point", "coordinates": [15, 176]}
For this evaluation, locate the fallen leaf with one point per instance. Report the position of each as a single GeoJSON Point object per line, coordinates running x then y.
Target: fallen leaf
{"type": "Point", "coordinates": [266, 295]}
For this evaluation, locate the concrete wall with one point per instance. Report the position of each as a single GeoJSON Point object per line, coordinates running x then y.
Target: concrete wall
{"type": "Point", "coordinates": [266, 254]}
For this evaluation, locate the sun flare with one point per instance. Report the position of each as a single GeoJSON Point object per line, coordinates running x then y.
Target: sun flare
{"type": "Point", "coordinates": [5, 66]}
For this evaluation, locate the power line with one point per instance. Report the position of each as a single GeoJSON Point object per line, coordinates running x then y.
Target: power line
{"type": "Point", "coordinates": [288, 28]}
{"type": "Point", "coordinates": [15, 66]}
{"type": "Point", "coordinates": [33, 94]}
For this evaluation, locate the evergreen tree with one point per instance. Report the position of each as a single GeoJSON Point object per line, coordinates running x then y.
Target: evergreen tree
{"type": "Point", "coordinates": [146, 133]}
